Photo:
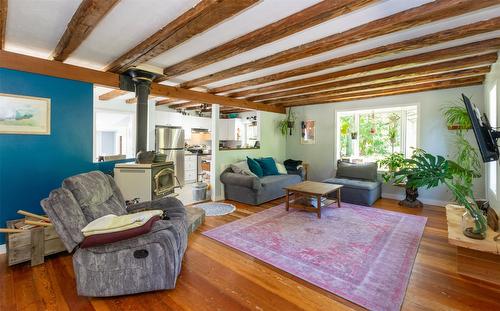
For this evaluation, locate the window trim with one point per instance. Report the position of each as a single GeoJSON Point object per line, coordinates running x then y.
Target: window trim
{"type": "Point", "coordinates": [368, 108]}
{"type": "Point", "coordinates": [94, 129]}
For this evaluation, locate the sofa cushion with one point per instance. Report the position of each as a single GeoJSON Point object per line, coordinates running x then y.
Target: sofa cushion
{"type": "Point", "coordinates": [268, 166]}
{"type": "Point", "coordinates": [365, 171]}
{"type": "Point", "coordinates": [94, 194]}
{"type": "Point", "coordinates": [255, 167]}
{"type": "Point", "coordinates": [354, 183]}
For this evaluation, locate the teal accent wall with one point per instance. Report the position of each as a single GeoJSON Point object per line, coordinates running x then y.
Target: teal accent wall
{"type": "Point", "coordinates": [32, 165]}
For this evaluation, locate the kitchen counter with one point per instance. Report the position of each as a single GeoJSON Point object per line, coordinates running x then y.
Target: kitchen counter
{"type": "Point", "coordinates": [249, 148]}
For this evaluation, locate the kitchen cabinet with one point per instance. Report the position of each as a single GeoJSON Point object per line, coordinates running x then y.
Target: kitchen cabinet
{"type": "Point", "coordinates": [190, 168]}
{"type": "Point", "coordinates": [230, 129]}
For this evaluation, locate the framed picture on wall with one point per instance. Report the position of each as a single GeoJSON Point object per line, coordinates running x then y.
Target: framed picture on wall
{"type": "Point", "coordinates": [308, 135]}
{"type": "Point", "coordinates": [24, 115]}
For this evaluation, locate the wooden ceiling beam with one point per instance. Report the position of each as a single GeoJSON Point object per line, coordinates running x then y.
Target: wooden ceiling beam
{"type": "Point", "coordinates": [309, 17]}
{"type": "Point", "coordinates": [394, 48]}
{"type": "Point", "coordinates": [112, 94]}
{"type": "Point", "coordinates": [475, 48]}
{"type": "Point", "coordinates": [3, 22]}
{"type": "Point", "coordinates": [198, 19]}
{"type": "Point", "coordinates": [31, 64]}
{"type": "Point", "coordinates": [166, 101]}
{"type": "Point", "coordinates": [133, 100]}
{"type": "Point", "coordinates": [466, 73]}
{"type": "Point", "coordinates": [397, 91]}
{"type": "Point", "coordinates": [183, 105]}
{"type": "Point", "coordinates": [457, 64]}
{"type": "Point", "coordinates": [426, 13]}
{"type": "Point", "coordinates": [83, 22]}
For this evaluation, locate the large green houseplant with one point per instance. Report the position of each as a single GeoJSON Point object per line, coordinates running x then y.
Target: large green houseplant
{"type": "Point", "coordinates": [429, 171]}
{"type": "Point", "coordinates": [467, 156]}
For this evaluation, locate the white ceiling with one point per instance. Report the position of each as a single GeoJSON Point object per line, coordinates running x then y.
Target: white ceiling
{"type": "Point", "coordinates": [35, 26]}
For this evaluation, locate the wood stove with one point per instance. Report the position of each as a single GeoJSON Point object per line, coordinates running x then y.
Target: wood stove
{"type": "Point", "coordinates": [145, 181]}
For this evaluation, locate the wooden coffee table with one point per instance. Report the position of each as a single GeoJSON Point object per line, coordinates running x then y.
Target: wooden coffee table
{"type": "Point", "coordinates": [299, 195]}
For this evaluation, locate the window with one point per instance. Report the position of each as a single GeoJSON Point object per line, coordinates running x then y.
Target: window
{"type": "Point", "coordinates": [370, 135]}
{"type": "Point", "coordinates": [492, 117]}
{"type": "Point", "coordinates": [114, 133]}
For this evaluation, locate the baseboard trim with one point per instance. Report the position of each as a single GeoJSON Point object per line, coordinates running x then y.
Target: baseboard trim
{"type": "Point", "coordinates": [3, 249]}
{"type": "Point", "coordinates": [427, 201]}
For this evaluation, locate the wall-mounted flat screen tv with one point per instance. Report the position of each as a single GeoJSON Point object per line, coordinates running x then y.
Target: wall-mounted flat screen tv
{"type": "Point", "coordinates": [486, 136]}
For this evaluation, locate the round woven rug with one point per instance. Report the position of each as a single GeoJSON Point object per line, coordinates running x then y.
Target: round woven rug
{"type": "Point", "coordinates": [216, 208]}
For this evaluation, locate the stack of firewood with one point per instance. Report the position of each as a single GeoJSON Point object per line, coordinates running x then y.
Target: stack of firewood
{"type": "Point", "coordinates": [29, 222]}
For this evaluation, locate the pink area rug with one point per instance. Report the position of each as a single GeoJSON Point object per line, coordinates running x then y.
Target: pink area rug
{"type": "Point", "coordinates": [362, 254]}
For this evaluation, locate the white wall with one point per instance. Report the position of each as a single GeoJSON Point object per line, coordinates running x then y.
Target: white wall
{"type": "Point", "coordinates": [492, 81]}
{"type": "Point", "coordinates": [433, 134]}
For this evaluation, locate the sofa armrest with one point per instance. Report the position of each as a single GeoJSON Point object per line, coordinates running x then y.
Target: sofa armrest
{"type": "Point", "coordinates": [300, 171]}
{"type": "Point", "coordinates": [251, 182]}
{"type": "Point", "coordinates": [167, 203]}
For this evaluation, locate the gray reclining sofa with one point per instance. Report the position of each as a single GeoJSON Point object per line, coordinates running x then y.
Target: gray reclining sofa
{"type": "Point", "coordinates": [360, 183]}
{"type": "Point", "coordinates": [147, 262]}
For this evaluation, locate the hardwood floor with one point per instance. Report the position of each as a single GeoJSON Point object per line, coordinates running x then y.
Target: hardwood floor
{"type": "Point", "coordinates": [216, 277]}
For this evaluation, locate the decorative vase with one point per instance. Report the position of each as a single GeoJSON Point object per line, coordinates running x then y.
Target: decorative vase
{"type": "Point", "coordinates": [471, 226]}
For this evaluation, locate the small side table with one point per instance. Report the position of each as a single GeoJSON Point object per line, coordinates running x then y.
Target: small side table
{"type": "Point", "coordinates": [478, 259]}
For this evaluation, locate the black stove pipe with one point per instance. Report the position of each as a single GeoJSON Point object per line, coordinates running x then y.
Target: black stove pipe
{"type": "Point", "coordinates": [141, 129]}
{"type": "Point", "coordinates": [139, 81]}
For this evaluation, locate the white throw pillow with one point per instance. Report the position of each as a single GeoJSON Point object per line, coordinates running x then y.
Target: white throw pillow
{"type": "Point", "coordinates": [242, 168]}
{"type": "Point", "coordinates": [281, 168]}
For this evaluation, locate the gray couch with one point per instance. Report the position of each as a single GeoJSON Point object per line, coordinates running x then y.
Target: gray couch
{"type": "Point", "coordinates": [143, 263]}
{"type": "Point", "coordinates": [360, 183]}
{"type": "Point", "coordinates": [253, 190]}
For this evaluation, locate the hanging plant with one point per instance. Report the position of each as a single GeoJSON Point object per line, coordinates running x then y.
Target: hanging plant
{"type": "Point", "coordinates": [287, 124]}
{"type": "Point", "coordinates": [456, 118]}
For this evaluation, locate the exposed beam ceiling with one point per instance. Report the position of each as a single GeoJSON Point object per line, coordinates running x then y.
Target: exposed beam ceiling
{"type": "Point", "coordinates": [430, 12]}
{"type": "Point", "coordinates": [21, 62]}
{"type": "Point", "coordinates": [204, 15]}
{"type": "Point", "coordinates": [3, 22]}
{"type": "Point", "coordinates": [465, 73]}
{"type": "Point", "coordinates": [396, 91]}
{"type": "Point", "coordinates": [394, 48]}
{"type": "Point", "coordinates": [474, 61]}
{"type": "Point", "coordinates": [112, 94]}
{"type": "Point", "coordinates": [474, 48]}
{"type": "Point", "coordinates": [287, 26]}
{"type": "Point", "coordinates": [83, 22]}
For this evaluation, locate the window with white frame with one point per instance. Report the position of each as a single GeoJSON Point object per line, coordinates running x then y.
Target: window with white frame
{"type": "Point", "coordinates": [370, 135]}
{"type": "Point", "coordinates": [114, 133]}
{"type": "Point", "coordinates": [492, 117]}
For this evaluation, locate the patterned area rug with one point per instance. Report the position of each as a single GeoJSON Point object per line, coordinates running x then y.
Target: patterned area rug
{"type": "Point", "coordinates": [360, 253]}
{"type": "Point", "coordinates": [216, 208]}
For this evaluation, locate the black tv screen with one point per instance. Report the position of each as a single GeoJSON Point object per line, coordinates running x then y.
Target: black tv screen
{"type": "Point", "coordinates": [485, 135]}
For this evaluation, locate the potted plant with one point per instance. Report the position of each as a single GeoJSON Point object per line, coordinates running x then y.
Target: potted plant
{"type": "Point", "coordinates": [394, 163]}
{"type": "Point", "coordinates": [288, 123]}
{"type": "Point", "coordinates": [456, 118]}
{"type": "Point", "coordinates": [466, 155]}
{"type": "Point", "coordinates": [429, 171]}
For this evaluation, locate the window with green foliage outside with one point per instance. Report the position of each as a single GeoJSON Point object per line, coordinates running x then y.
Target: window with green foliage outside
{"type": "Point", "coordinates": [370, 135]}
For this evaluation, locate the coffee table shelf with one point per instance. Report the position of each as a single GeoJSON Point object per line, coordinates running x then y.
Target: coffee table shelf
{"type": "Point", "coordinates": [301, 194]}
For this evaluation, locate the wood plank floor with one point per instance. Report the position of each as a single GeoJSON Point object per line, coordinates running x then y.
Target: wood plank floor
{"type": "Point", "coordinates": [216, 277]}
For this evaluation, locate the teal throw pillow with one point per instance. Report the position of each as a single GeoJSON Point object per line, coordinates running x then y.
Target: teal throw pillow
{"type": "Point", "coordinates": [255, 167]}
{"type": "Point", "coordinates": [268, 166]}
